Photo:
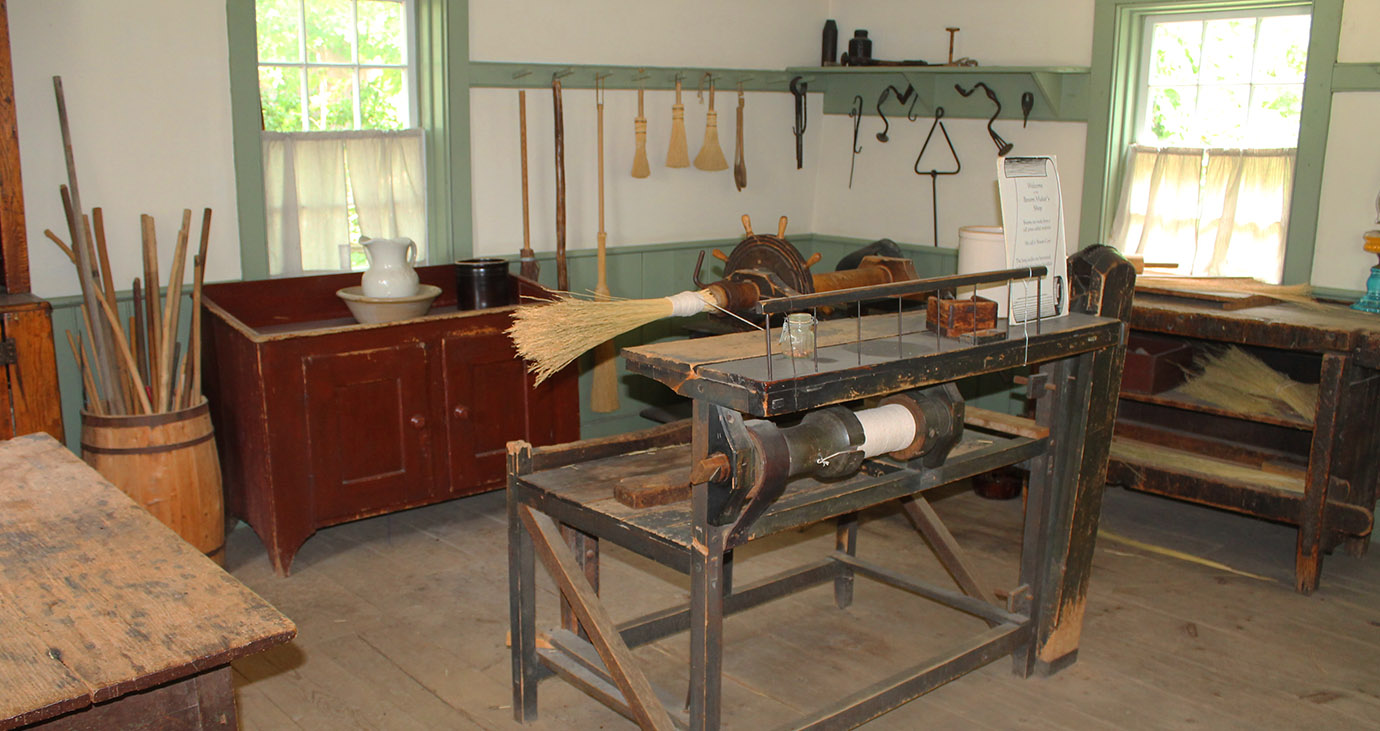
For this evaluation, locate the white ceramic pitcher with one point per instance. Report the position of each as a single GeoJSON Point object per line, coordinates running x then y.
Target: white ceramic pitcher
{"type": "Point", "coordinates": [390, 274]}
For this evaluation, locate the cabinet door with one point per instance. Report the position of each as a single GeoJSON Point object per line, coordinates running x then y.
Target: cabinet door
{"type": "Point", "coordinates": [486, 407]}
{"type": "Point", "coordinates": [367, 431]}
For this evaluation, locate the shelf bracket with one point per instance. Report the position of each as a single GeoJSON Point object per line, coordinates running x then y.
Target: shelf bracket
{"type": "Point", "coordinates": [1051, 88]}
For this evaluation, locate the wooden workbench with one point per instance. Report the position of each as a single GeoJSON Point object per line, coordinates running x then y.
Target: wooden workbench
{"type": "Point", "coordinates": [561, 504]}
{"type": "Point", "coordinates": [107, 619]}
{"type": "Point", "coordinates": [1319, 474]}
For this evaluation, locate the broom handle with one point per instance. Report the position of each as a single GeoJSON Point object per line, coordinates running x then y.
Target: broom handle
{"type": "Point", "coordinates": [528, 258]}
{"type": "Point", "coordinates": [172, 306]}
{"type": "Point", "coordinates": [153, 312]}
{"type": "Point", "coordinates": [562, 274]}
{"type": "Point", "coordinates": [604, 389]}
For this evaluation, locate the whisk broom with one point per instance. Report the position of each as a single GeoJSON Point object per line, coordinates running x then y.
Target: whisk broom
{"type": "Point", "coordinates": [603, 393]}
{"type": "Point", "coordinates": [551, 335]}
{"type": "Point", "coordinates": [711, 156]}
{"type": "Point", "coordinates": [678, 156]}
{"type": "Point", "coordinates": [640, 168]}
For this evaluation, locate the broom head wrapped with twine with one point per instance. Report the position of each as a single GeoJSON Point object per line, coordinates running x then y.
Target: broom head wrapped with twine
{"type": "Point", "coordinates": [711, 155]}
{"type": "Point", "coordinates": [678, 155]}
{"type": "Point", "coordinates": [550, 335]}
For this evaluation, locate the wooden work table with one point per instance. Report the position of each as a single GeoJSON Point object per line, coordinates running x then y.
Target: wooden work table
{"type": "Point", "coordinates": [1317, 473]}
{"type": "Point", "coordinates": [107, 618]}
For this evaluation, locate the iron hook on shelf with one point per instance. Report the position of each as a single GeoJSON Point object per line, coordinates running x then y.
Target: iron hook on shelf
{"type": "Point", "coordinates": [935, 172]}
{"type": "Point", "coordinates": [1003, 146]}
{"type": "Point", "coordinates": [799, 88]}
{"type": "Point", "coordinates": [855, 114]}
{"type": "Point", "coordinates": [900, 97]}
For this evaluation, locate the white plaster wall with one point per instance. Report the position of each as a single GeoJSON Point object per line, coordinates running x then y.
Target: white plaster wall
{"type": "Point", "coordinates": [147, 88]}
{"type": "Point", "coordinates": [681, 204]}
{"type": "Point", "coordinates": [1351, 169]}
{"type": "Point", "coordinates": [995, 32]}
{"type": "Point", "coordinates": [1360, 29]}
{"type": "Point", "coordinates": [770, 34]}
{"type": "Point", "coordinates": [888, 198]}
{"type": "Point", "coordinates": [671, 204]}
{"type": "Point", "coordinates": [1351, 181]}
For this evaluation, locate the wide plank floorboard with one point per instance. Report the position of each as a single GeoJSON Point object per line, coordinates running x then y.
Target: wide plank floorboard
{"type": "Point", "coordinates": [402, 622]}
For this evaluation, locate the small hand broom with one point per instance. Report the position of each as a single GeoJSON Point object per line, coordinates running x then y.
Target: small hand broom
{"type": "Point", "coordinates": [640, 168]}
{"type": "Point", "coordinates": [551, 335]}
{"type": "Point", "coordinates": [711, 156]}
{"type": "Point", "coordinates": [678, 156]}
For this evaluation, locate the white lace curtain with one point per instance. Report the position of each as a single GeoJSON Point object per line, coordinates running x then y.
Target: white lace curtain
{"type": "Point", "coordinates": [1215, 212]}
{"type": "Point", "coordinates": [305, 191]}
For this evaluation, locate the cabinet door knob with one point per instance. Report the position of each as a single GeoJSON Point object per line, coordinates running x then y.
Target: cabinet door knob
{"type": "Point", "coordinates": [461, 412]}
{"type": "Point", "coordinates": [418, 421]}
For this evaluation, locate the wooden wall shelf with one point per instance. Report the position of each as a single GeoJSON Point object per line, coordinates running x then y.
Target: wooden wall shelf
{"type": "Point", "coordinates": [1060, 91]}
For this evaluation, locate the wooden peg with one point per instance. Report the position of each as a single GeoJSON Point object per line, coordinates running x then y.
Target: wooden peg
{"type": "Point", "coordinates": [747, 224]}
{"type": "Point", "coordinates": [781, 228]}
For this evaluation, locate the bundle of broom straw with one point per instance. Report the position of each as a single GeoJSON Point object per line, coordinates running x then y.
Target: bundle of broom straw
{"type": "Point", "coordinates": [711, 155]}
{"type": "Point", "coordinates": [1234, 379]}
{"type": "Point", "coordinates": [678, 154]}
{"type": "Point", "coordinates": [551, 335]}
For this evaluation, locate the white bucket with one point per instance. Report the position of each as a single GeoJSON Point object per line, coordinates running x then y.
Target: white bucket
{"type": "Point", "coordinates": [983, 249]}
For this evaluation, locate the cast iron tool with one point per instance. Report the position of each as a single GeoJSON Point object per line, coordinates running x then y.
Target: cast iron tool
{"type": "Point", "coordinates": [1027, 104]}
{"type": "Point", "coordinates": [935, 173]}
{"type": "Point", "coordinates": [799, 87]}
{"type": "Point", "coordinates": [900, 97]}
{"type": "Point", "coordinates": [1003, 146]}
{"type": "Point", "coordinates": [856, 115]}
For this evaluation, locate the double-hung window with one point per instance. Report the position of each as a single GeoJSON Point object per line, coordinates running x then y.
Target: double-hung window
{"type": "Point", "coordinates": [342, 154]}
{"type": "Point", "coordinates": [1208, 182]}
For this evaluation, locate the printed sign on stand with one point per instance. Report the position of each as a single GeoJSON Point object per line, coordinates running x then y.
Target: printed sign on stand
{"type": "Point", "coordinates": [1032, 210]}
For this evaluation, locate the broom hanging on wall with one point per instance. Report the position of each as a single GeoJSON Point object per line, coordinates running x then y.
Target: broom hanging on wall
{"type": "Point", "coordinates": [603, 394]}
{"type": "Point", "coordinates": [711, 155]}
{"type": "Point", "coordinates": [640, 168]}
{"type": "Point", "coordinates": [678, 155]}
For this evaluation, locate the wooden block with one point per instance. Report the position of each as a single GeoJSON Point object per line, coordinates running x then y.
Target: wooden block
{"type": "Point", "coordinates": [646, 491]}
{"type": "Point", "coordinates": [954, 317]}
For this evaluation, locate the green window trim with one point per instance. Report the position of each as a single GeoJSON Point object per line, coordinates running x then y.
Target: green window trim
{"type": "Point", "coordinates": [442, 59]}
{"type": "Point", "coordinates": [1117, 52]}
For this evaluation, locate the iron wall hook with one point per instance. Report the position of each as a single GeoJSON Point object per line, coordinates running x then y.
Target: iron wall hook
{"type": "Point", "coordinates": [1003, 146]}
{"type": "Point", "coordinates": [856, 115]}
{"type": "Point", "coordinates": [935, 173]}
{"type": "Point", "coordinates": [799, 88]}
{"type": "Point", "coordinates": [900, 97]}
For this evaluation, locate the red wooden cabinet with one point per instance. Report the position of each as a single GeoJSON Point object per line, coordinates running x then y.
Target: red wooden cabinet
{"type": "Point", "coordinates": [321, 420]}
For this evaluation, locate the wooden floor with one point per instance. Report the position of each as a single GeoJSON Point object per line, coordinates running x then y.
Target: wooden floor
{"type": "Point", "coordinates": [402, 621]}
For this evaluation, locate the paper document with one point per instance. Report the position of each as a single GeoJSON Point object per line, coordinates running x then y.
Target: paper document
{"type": "Point", "coordinates": [1032, 212]}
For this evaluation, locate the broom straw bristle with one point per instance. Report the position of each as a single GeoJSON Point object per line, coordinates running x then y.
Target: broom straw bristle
{"type": "Point", "coordinates": [1238, 381]}
{"type": "Point", "coordinates": [551, 335]}
{"type": "Point", "coordinates": [678, 156]}
{"type": "Point", "coordinates": [640, 168]}
{"type": "Point", "coordinates": [711, 156]}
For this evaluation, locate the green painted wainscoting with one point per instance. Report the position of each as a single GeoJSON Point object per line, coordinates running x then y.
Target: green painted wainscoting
{"type": "Point", "coordinates": [654, 270]}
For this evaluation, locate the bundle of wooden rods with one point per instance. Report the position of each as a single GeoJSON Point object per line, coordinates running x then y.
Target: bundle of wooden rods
{"type": "Point", "coordinates": [143, 370]}
{"type": "Point", "coordinates": [138, 366]}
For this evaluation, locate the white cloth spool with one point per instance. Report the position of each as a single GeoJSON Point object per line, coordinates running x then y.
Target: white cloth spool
{"type": "Point", "coordinates": [886, 429]}
{"type": "Point", "coordinates": [983, 249]}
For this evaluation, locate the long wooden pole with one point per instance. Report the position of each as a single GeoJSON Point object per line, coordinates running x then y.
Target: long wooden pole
{"type": "Point", "coordinates": [172, 309]}
{"type": "Point", "coordinates": [152, 311]}
{"type": "Point", "coordinates": [562, 275]}
{"type": "Point", "coordinates": [603, 396]}
{"type": "Point", "coordinates": [530, 269]}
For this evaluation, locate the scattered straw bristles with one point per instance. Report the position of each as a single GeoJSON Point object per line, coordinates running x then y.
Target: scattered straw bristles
{"type": "Point", "coordinates": [1301, 294]}
{"type": "Point", "coordinates": [551, 335]}
{"type": "Point", "coordinates": [1238, 381]}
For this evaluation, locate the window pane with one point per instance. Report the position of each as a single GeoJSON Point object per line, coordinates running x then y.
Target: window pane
{"type": "Point", "coordinates": [1283, 49]}
{"type": "Point", "coordinates": [331, 98]}
{"type": "Point", "coordinates": [382, 32]}
{"type": "Point", "coordinates": [382, 99]}
{"type": "Point", "coordinates": [328, 31]}
{"type": "Point", "coordinates": [1275, 115]}
{"type": "Point", "coordinates": [1175, 48]}
{"type": "Point", "coordinates": [1171, 114]}
{"type": "Point", "coordinates": [1228, 46]}
{"type": "Point", "coordinates": [1222, 115]}
{"type": "Point", "coordinates": [278, 30]}
{"type": "Point", "coordinates": [280, 98]}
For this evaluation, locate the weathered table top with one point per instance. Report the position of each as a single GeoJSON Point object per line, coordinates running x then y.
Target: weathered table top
{"type": "Point", "coordinates": [1285, 325]}
{"type": "Point", "coordinates": [98, 599]}
{"type": "Point", "coordinates": [857, 357]}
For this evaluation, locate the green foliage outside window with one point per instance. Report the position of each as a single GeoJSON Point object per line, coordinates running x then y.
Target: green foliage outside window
{"type": "Point", "coordinates": [336, 47]}
{"type": "Point", "coordinates": [1226, 82]}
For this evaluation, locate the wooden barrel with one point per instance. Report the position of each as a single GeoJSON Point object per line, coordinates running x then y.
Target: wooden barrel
{"type": "Point", "coordinates": [166, 463]}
